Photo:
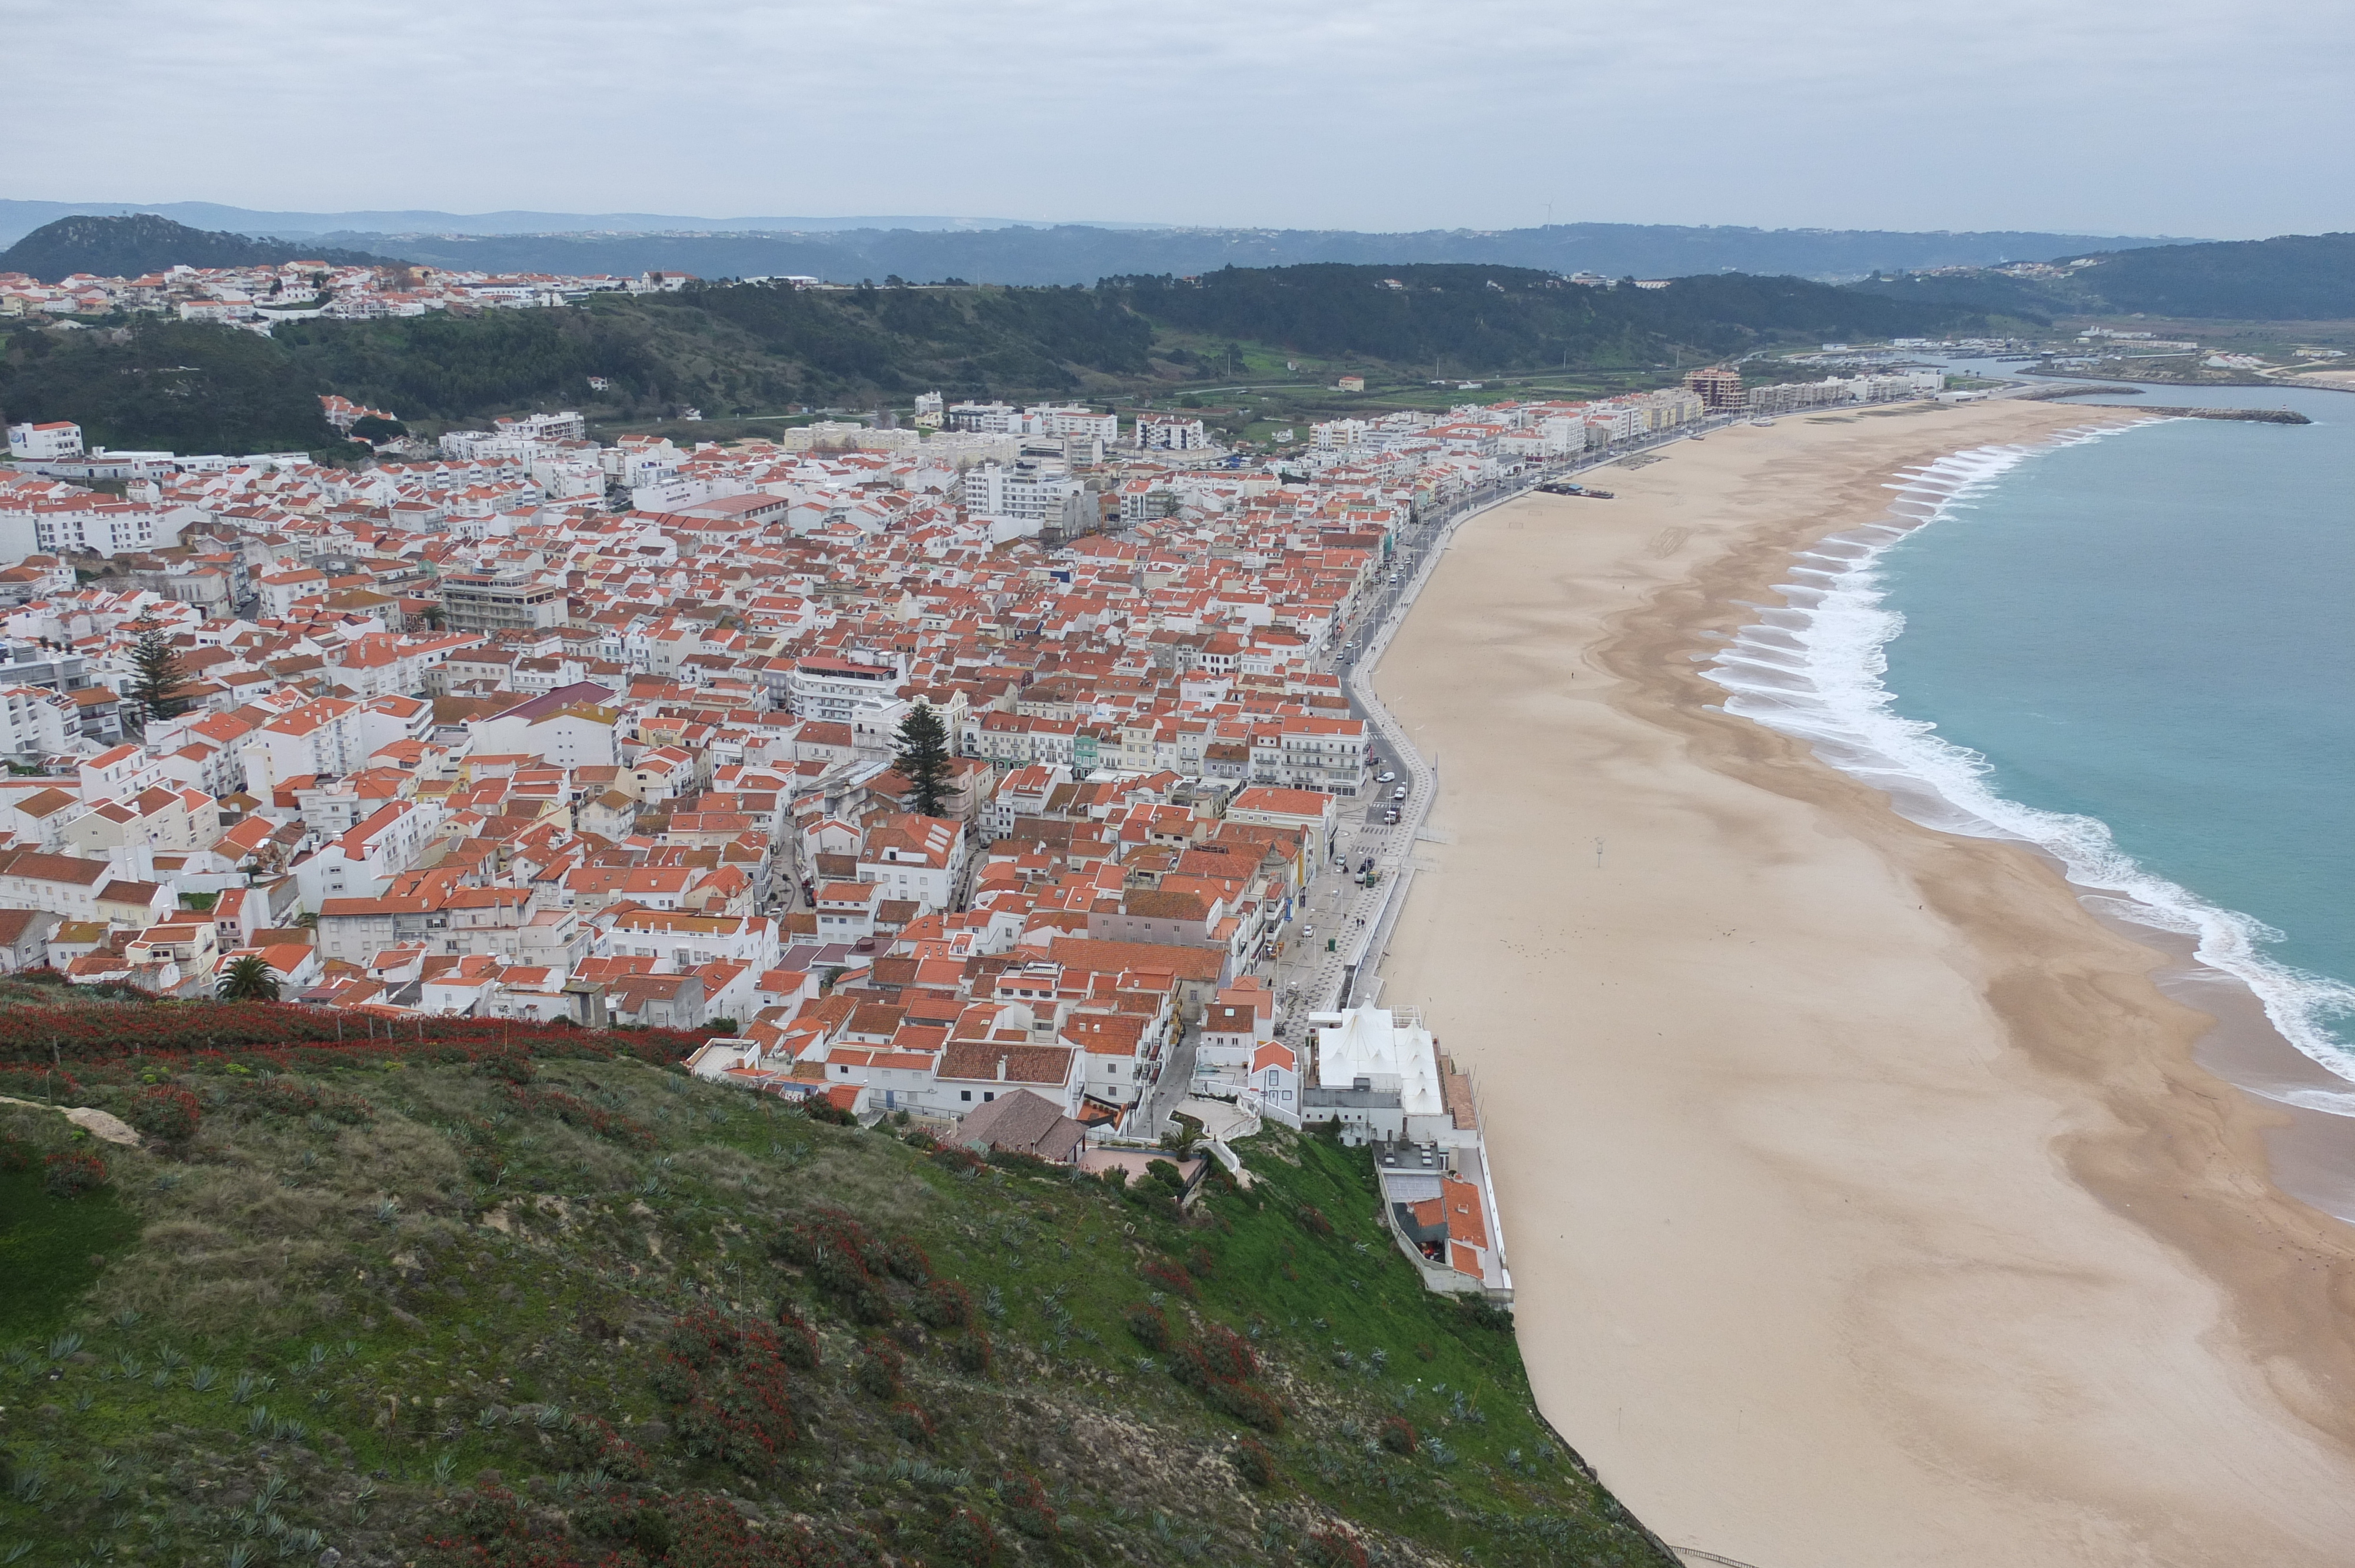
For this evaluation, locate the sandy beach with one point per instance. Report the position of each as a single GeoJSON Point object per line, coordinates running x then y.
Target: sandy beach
{"type": "Point", "coordinates": [1866, 1204]}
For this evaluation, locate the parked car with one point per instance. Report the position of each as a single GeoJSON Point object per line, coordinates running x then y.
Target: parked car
{"type": "Point", "coordinates": [1387, 778]}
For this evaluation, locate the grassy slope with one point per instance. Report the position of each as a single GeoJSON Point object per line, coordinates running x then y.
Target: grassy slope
{"type": "Point", "coordinates": [337, 1320]}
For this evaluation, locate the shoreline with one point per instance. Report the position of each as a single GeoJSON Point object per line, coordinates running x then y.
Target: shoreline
{"type": "Point", "coordinates": [1956, 1238]}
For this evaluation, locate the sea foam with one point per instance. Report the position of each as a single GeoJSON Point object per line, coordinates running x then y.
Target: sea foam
{"type": "Point", "coordinates": [1813, 669]}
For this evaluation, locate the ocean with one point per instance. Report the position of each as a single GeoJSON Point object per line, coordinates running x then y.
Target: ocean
{"type": "Point", "coordinates": [2135, 651]}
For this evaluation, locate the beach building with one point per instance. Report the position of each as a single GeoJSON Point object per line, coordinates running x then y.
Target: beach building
{"type": "Point", "coordinates": [1381, 1075]}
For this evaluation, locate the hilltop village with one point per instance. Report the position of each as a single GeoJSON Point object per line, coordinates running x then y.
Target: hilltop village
{"type": "Point", "coordinates": [532, 728]}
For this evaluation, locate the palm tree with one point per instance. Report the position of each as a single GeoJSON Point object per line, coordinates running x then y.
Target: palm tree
{"type": "Point", "coordinates": [249, 979]}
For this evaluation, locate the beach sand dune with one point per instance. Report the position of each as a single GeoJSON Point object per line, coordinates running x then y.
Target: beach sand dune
{"type": "Point", "coordinates": [1865, 1205]}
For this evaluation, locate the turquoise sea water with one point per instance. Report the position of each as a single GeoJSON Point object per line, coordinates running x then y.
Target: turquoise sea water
{"type": "Point", "coordinates": [2136, 652]}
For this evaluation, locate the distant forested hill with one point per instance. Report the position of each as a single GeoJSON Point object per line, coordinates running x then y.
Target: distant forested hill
{"type": "Point", "coordinates": [760, 348]}
{"type": "Point", "coordinates": [1502, 318]}
{"type": "Point", "coordinates": [128, 247]}
{"type": "Point", "coordinates": [2293, 277]}
{"type": "Point", "coordinates": [1083, 253]}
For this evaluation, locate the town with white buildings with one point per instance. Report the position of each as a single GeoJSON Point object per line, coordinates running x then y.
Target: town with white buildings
{"type": "Point", "coordinates": [527, 726]}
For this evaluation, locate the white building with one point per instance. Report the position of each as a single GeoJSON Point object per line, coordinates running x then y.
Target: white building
{"type": "Point", "coordinates": [44, 443]}
{"type": "Point", "coordinates": [1170, 433]}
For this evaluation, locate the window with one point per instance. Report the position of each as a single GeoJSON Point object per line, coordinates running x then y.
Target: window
{"type": "Point", "coordinates": [964, 1094]}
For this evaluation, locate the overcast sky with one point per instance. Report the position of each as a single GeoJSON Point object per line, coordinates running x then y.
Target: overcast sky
{"type": "Point", "coordinates": [2186, 117]}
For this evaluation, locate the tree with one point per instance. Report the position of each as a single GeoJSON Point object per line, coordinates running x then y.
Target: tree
{"type": "Point", "coordinates": [249, 979]}
{"type": "Point", "coordinates": [923, 760]}
{"type": "Point", "coordinates": [156, 675]}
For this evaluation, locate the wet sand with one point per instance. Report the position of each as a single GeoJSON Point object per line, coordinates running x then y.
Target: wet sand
{"type": "Point", "coordinates": [1866, 1203]}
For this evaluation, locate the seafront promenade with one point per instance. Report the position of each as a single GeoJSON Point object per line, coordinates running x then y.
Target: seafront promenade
{"type": "Point", "coordinates": [1356, 919]}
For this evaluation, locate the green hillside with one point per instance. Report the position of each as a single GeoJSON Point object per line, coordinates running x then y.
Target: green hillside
{"type": "Point", "coordinates": [760, 349]}
{"type": "Point", "coordinates": [128, 247]}
{"type": "Point", "coordinates": [1479, 319]}
{"type": "Point", "coordinates": [2292, 277]}
{"type": "Point", "coordinates": [465, 1306]}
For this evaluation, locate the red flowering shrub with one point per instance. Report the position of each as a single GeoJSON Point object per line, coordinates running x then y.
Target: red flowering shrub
{"type": "Point", "coordinates": [283, 1096]}
{"type": "Point", "coordinates": [69, 1174]}
{"type": "Point", "coordinates": [1228, 1353]}
{"type": "Point", "coordinates": [944, 1304]}
{"type": "Point", "coordinates": [847, 1261]}
{"type": "Point", "coordinates": [1252, 1406]}
{"type": "Point", "coordinates": [967, 1540]}
{"type": "Point", "coordinates": [796, 1341]}
{"type": "Point", "coordinates": [15, 1157]}
{"type": "Point", "coordinates": [102, 1034]}
{"type": "Point", "coordinates": [1151, 1325]}
{"type": "Point", "coordinates": [1331, 1548]}
{"type": "Point", "coordinates": [167, 1112]}
{"type": "Point", "coordinates": [880, 1367]}
{"type": "Point", "coordinates": [908, 1420]}
{"type": "Point", "coordinates": [1168, 1277]}
{"type": "Point", "coordinates": [906, 1259]}
{"type": "Point", "coordinates": [574, 1111]}
{"type": "Point", "coordinates": [590, 1442]}
{"type": "Point", "coordinates": [975, 1353]}
{"type": "Point", "coordinates": [1398, 1435]}
{"type": "Point", "coordinates": [1255, 1463]}
{"type": "Point", "coordinates": [1199, 1263]}
{"type": "Point", "coordinates": [1026, 1508]}
{"type": "Point", "coordinates": [1312, 1220]}
{"type": "Point", "coordinates": [1220, 1366]}
{"type": "Point", "coordinates": [731, 1380]}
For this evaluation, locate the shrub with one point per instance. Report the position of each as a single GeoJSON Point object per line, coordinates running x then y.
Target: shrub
{"type": "Point", "coordinates": [167, 1112]}
{"type": "Point", "coordinates": [590, 1442]}
{"type": "Point", "coordinates": [967, 1540]}
{"type": "Point", "coordinates": [1252, 1406]}
{"type": "Point", "coordinates": [1313, 1221]}
{"type": "Point", "coordinates": [1426, 1351]}
{"type": "Point", "coordinates": [1168, 1277]}
{"type": "Point", "coordinates": [1151, 1325]}
{"type": "Point", "coordinates": [951, 1158]}
{"type": "Point", "coordinates": [1255, 1463]}
{"type": "Point", "coordinates": [1026, 1508]}
{"type": "Point", "coordinates": [1165, 1175]}
{"type": "Point", "coordinates": [15, 1157]}
{"type": "Point", "coordinates": [908, 1420]}
{"type": "Point", "coordinates": [69, 1174]}
{"type": "Point", "coordinates": [817, 1108]}
{"type": "Point", "coordinates": [879, 1371]}
{"type": "Point", "coordinates": [975, 1354]}
{"type": "Point", "coordinates": [1398, 1435]}
{"type": "Point", "coordinates": [1199, 1263]}
{"type": "Point", "coordinates": [1331, 1548]}
{"type": "Point", "coordinates": [574, 1111]}
{"type": "Point", "coordinates": [907, 1260]}
{"type": "Point", "coordinates": [1481, 1313]}
{"type": "Point", "coordinates": [847, 1261]}
{"type": "Point", "coordinates": [796, 1343]}
{"type": "Point", "coordinates": [1228, 1353]}
{"type": "Point", "coordinates": [282, 1096]}
{"type": "Point", "coordinates": [732, 1383]}
{"type": "Point", "coordinates": [944, 1304]}
{"type": "Point", "coordinates": [510, 1066]}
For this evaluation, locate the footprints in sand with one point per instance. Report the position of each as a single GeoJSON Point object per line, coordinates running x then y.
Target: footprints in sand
{"type": "Point", "coordinates": [1667, 543]}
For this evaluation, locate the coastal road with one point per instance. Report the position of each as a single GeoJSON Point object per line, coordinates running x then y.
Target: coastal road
{"type": "Point", "coordinates": [1355, 917]}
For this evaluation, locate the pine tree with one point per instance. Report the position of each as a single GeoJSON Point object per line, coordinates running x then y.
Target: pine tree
{"type": "Point", "coordinates": [156, 675]}
{"type": "Point", "coordinates": [923, 760]}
